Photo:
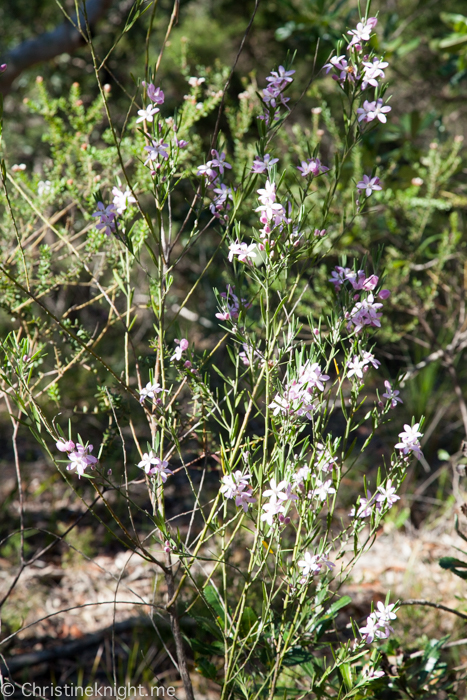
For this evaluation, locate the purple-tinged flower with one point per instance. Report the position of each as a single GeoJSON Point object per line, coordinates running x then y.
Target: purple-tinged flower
{"type": "Point", "coordinates": [312, 166]}
{"type": "Point", "coordinates": [387, 495]}
{"type": "Point", "coordinates": [309, 564]}
{"type": "Point", "coordinates": [221, 201]}
{"type": "Point", "coordinates": [65, 445]}
{"type": "Point", "coordinates": [152, 464]}
{"type": "Point", "coordinates": [391, 394]}
{"type": "Point", "coordinates": [106, 218]}
{"type": "Point", "coordinates": [80, 459]}
{"type": "Point", "coordinates": [338, 276]}
{"type": "Point", "coordinates": [122, 199]}
{"type": "Point", "coordinates": [157, 148]}
{"type": "Point", "coordinates": [155, 94]}
{"type": "Point", "coordinates": [260, 165]}
{"type": "Point", "coordinates": [3, 67]}
{"type": "Point", "coordinates": [372, 673]}
{"type": "Point", "coordinates": [369, 359]}
{"type": "Point", "coordinates": [280, 76]}
{"type": "Point", "coordinates": [233, 305]}
{"type": "Point", "coordinates": [147, 114]}
{"type": "Point", "coordinates": [409, 441]}
{"type": "Point", "coordinates": [346, 70]}
{"type": "Point", "coordinates": [180, 143]}
{"type": "Point", "coordinates": [207, 171]}
{"type": "Point", "coordinates": [362, 32]}
{"type": "Point", "coordinates": [150, 391]}
{"type": "Point", "coordinates": [369, 631]}
{"type": "Point", "coordinates": [368, 184]}
{"type": "Point", "coordinates": [319, 233]}
{"type": "Point", "coordinates": [326, 461]}
{"type": "Point", "coordinates": [373, 110]}
{"type": "Point", "coordinates": [167, 548]}
{"type": "Point", "coordinates": [301, 476]}
{"type": "Point", "coordinates": [384, 294]}
{"type": "Point", "coordinates": [219, 161]}
{"type": "Point", "coordinates": [385, 613]}
{"type": "Point", "coordinates": [232, 482]}
{"type": "Point", "coordinates": [312, 564]}
{"type": "Point", "coordinates": [372, 71]}
{"type": "Point", "coordinates": [365, 313]}
{"type": "Point", "coordinates": [182, 346]}
{"type": "Point", "coordinates": [244, 251]}
{"type": "Point", "coordinates": [365, 506]}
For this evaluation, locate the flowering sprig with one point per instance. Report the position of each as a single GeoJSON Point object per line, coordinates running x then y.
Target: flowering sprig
{"type": "Point", "coordinates": [152, 465]}
{"type": "Point", "coordinates": [79, 455]}
{"type": "Point", "coordinates": [378, 623]}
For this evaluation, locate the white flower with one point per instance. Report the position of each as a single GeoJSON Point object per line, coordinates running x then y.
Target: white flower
{"type": "Point", "coordinates": [270, 510]}
{"type": "Point", "coordinates": [147, 114]}
{"type": "Point", "coordinates": [387, 494]}
{"type": "Point", "coordinates": [309, 564]}
{"type": "Point", "coordinates": [276, 491]}
{"type": "Point", "coordinates": [244, 251]}
{"type": "Point", "coordinates": [44, 188]}
{"type": "Point", "coordinates": [122, 199]}
{"type": "Point", "coordinates": [150, 391]}
{"type": "Point", "coordinates": [323, 490]}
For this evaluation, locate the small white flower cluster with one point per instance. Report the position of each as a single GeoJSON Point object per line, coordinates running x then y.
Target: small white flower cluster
{"type": "Point", "coordinates": [385, 498]}
{"type": "Point", "coordinates": [378, 623]}
{"type": "Point", "coordinates": [236, 486]}
{"type": "Point", "coordinates": [152, 465]}
{"type": "Point", "coordinates": [312, 564]}
{"type": "Point", "coordinates": [410, 443]}
{"type": "Point", "coordinates": [298, 394]}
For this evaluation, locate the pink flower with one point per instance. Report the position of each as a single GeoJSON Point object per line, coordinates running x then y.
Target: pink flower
{"type": "Point", "coordinates": [158, 148]}
{"type": "Point", "coordinates": [312, 166]}
{"type": "Point", "coordinates": [65, 445]}
{"type": "Point", "coordinates": [155, 94]}
{"type": "Point", "coordinates": [182, 346]}
{"type": "Point", "coordinates": [384, 294]}
{"type": "Point", "coordinates": [260, 165]}
{"type": "Point", "coordinates": [370, 185]}
{"type": "Point", "coordinates": [80, 459]}
{"type": "Point", "coordinates": [244, 251]}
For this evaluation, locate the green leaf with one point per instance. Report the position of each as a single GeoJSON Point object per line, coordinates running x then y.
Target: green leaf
{"type": "Point", "coordinates": [249, 620]}
{"type": "Point", "coordinates": [295, 656]}
{"type": "Point", "coordinates": [206, 668]}
{"type": "Point", "coordinates": [453, 565]}
{"type": "Point", "coordinates": [212, 598]}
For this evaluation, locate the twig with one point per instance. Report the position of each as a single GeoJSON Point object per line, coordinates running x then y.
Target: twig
{"type": "Point", "coordinates": [430, 604]}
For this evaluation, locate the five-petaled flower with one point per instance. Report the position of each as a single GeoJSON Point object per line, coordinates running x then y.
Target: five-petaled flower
{"type": "Point", "coordinates": [369, 184]}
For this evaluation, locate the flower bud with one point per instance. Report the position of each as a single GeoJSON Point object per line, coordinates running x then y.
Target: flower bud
{"type": "Point", "coordinates": [384, 294]}
{"type": "Point", "coordinates": [3, 67]}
